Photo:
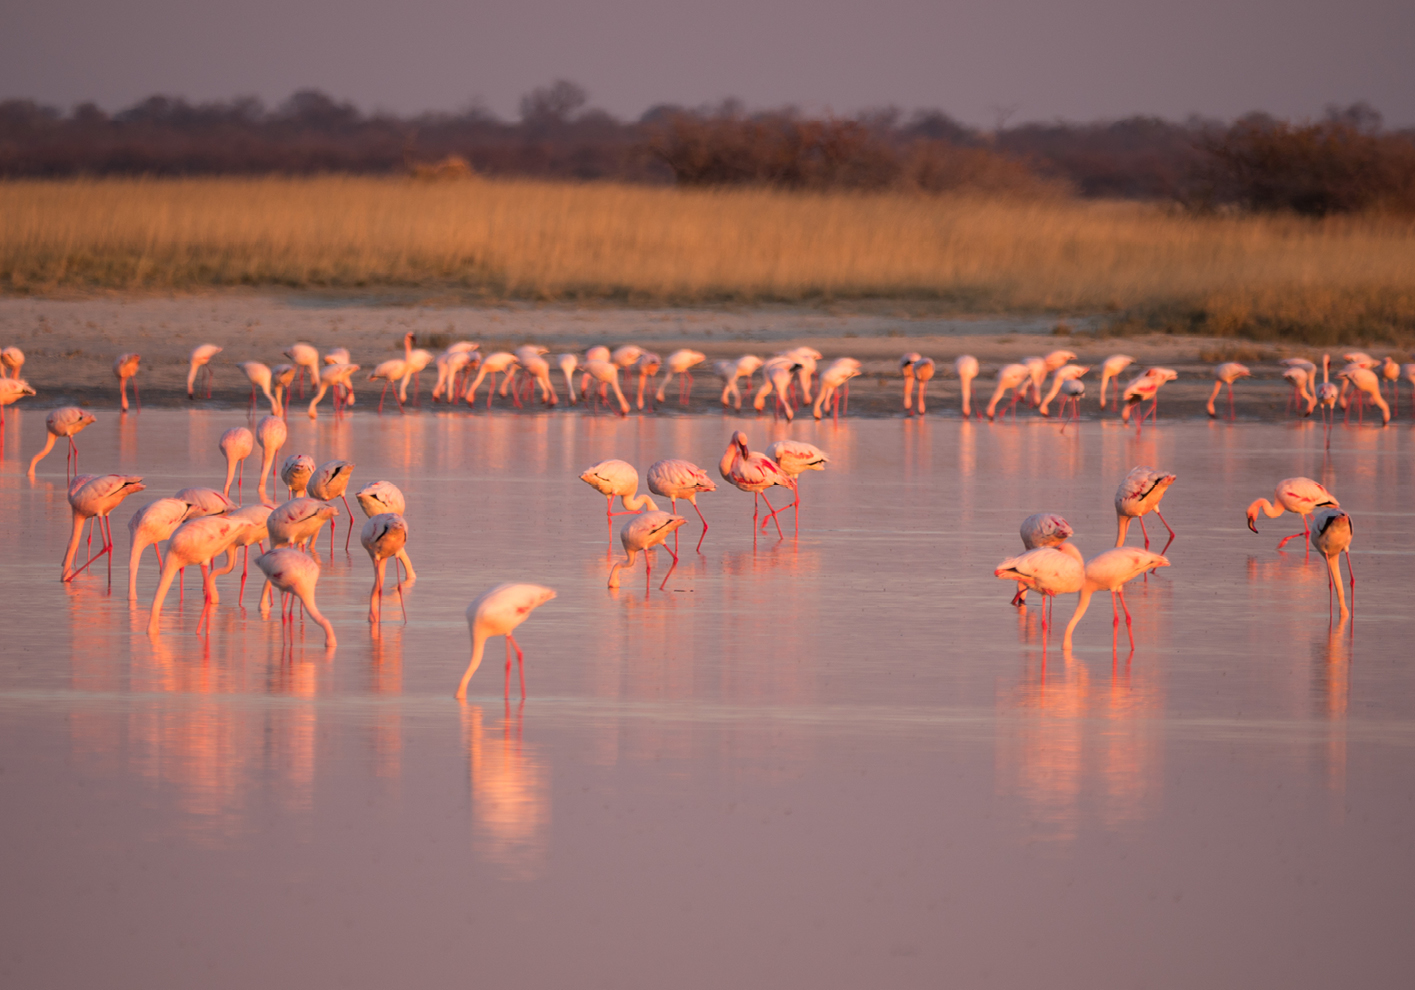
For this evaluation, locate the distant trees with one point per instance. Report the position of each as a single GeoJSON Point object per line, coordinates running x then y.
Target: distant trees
{"type": "Point", "coordinates": [1343, 163]}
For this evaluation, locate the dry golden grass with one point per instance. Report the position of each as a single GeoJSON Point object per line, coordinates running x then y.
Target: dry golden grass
{"type": "Point", "coordinates": [1259, 276]}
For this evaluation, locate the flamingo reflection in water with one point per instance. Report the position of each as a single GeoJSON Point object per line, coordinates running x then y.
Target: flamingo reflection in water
{"type": "Point", "coordinates": [498, 612]}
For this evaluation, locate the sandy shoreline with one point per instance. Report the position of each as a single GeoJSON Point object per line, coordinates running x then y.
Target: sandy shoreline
{"type": "Point", "coordinates": [70, 344]}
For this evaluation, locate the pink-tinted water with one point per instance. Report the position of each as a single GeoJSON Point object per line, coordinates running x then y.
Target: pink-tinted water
{"type": "Point", "coordinates": [838, 761]}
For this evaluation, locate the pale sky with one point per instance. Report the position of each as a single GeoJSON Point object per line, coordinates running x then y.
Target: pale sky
{"type": "Point", "coordinates": [1042, 59]}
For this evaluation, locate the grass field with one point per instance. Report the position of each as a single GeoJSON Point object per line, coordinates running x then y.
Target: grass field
{"type": "Point", "coordinates": [1266, 277]}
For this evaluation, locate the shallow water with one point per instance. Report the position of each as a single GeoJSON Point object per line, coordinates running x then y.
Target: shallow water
{"type": "Point", "coordinates": [835, 761]}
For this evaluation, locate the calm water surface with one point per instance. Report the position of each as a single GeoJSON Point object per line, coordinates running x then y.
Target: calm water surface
{"type": "Point", "coordinates": [838, 761]}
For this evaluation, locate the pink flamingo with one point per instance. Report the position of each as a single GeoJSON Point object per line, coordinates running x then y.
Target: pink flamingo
{"type": "Point", "coordinates": [498, 612]}
{"type": "Point", "coordinates": [1140, 493]}
{"type": "Point", "coordinates": [296, 573]}
{"type": "Point", "coordinates": [260, 377]}
{"type": "Point", "coordinates": [330, 481]}
{"type": "Point", "coordinates": [1041, 529]}
{"type": "Point", "coordinates": [254, 516]}
{"type": "Point", "coordinates": [1064, 374]}
{"type": "Point", "coordinates": [295, 474]}
{"type": "Point", "coordinates": [754, 472]}
{"type": "Point", "coordinates": [94, 499]}
{"type": "Point", "coordinates": [1111, 367]}
{"type": "Point", "coordinates": [674, 479]}
{"type": "Point", "coordinates": [1051, 571]}
{"type": "Point", "coordinates": [1226, 374]}
{"type": "Point", "coordinates": [124, 368]}
{"type": "Point", "coordinates": [1009, 377]}
{"type": "Point", "coordinates": [618, 479]}
{"type": "Point", "coordinates": [383, 536]}
{"type": "Point", "coordinates": [1297, 495]}
{"type": "Point", "coordinates": [794, 457]}
{"type": "Point", "coordinates": [271, 434]}
{"type": "Point", "coordinates": [906, 370]}
{"type": "Point", "coordinates": [1331, 536]}
{"type": "Point", "coordinates": [835, 380]}
{"type": "Point", "coordinates": [306, 361]}
{"type": "Point", "coordinates": [150, 525]}
{"type": "Point", "coordinates": [965, 366]}
{"type": "Point", "coordinates": [201, 362]}
{"type": "Point", "coordinates": [1110, 571]}
{"type": "Point", "coordinates": [681, 363]}
{"type": "Point", "coordinates": [237, 445]}
{"type": "Point", "coordinates": [66, 421]}
{"type": "Point", "coordinates": [196, 541]}
{"type": "Point", "coordinates": [643, 534]}
{"type": "Point", "coordinates": [384, 496]}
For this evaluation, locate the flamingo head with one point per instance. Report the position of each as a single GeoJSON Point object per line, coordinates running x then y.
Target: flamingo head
{"type": "Point", "coordinates": [1253, 514]}
{"type": "Point", "coordinates": [739, 440]}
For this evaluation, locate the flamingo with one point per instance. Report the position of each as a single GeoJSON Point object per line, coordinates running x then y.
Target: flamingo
{"type": "Point", "coordinates": [567, 363]}
{"type": "Point", "coordinates": [1063, 374]}
{"type": "Point", "coordinates": [392, 372]}
{"type": "Point", "coordinates": [1036, 374]}
{"type": "Point", "coordinates": [1041, 529]}
{"type": "Point", "coordinates": [296, 572]}
{"type": "Point", "coordinates": [255, 517]}
{"type": "Point", "coordinates": [1146, 386]}
{"type": "Point", "coordinates": [1360, 358]}
{"type": "Point", "coordinates": [1298, 495]}
{"type": "Point", "coordinates": [1327, 394]}
{"type": "Point", "coordinates": [776, 374]}
{"type": "Point", "coordinates": [643, 534]}
{"type": "Point", "coordinates": [500, 361]}
{"type": "Point", "coordinates": [333, 376]}
{"type": "Point", "coordinates": [12, 359]}
{"type": "Point", "coordinates": [681, 363]}
{"type": "Point", "coordinates": [730, 371]}
{"type": "Point", "coordinates": [1367, 382]}
{"type": "Point", "coordinates": [260, 377]}
{"type": "Point", "coordinates": [1111, 571]}
{"type": "Point", "coordinates": [270, 433]}
{"type": "Point", "coordinates": [296, 523]}
{"type": "Point", "coordinates": [804, 358]}
{"type": "Point", "coordinates": [306, 361]}
{"type": "Point", "coordinates": [200, 361]}
{"type": "Point", "coordinates": [497, 612]}
{"type": "Point", "coordinates": [597, 353]}
{"type": "Point", "coordinates": [754, 472]}
{"type": "Point", "coordinates": [624, 357]}
{"type": "Point", "coordinates": [1073, 391]}
{"type": "Point", "coordinates": [150, 525]}
{"type": "Point", "coordinates": [197, 541]}
{"type": "Point", "coordinates": [794, 457]}
{"type": "Point", "coordinates": [923, 374]}
{"type": "Point", "coordinates": [330, 481]}
{"type": "Point", "coordinates": [1139, 493]}
{"type": "Point", "coordinates": [295, 474]}
{"type": "Point", "coordinates": [417, 359]}
{"type": "Point", "coordinates": [1304, 396]}
{"type": "Point", "coordinates": [615, 478]}
{"type": "Point", "coordinates": [607, 374]}
{"type": "Point", "coordinates": [94, 499]}
{"type": "Point", "coordinates": [1226, 374]}
{"type": "Point", "coordinates": [906, 369]}
{"type": "Point", "coordinates": [449, 365]}
{"type": "Point", "coordinates": [63, 422]}
{"type": "Point", "coordinates": [281, 377]}
{"type": "Point", "coordinates": [1009, 376]}
{"type": "Point", "coordinates": [337, 355]}
{"type": "Point", "coordinates": [1111, 367]}
{"type": "Point", "coordinates": [205, 501]}
{"type": "Point", "coordinates": [1299, 394]}
{"type": "Point", "coordinates": [1051, 571]}
{"type": "Point", "coordinates": [1331, 536]}
{"type": "Point", "coordinates": [384, 496]}
{"type": "Point", "coordinates": [965, 366]}
{"type": "Point", "coordinates": [12, 390]}
{"type": "Point", "coordinates": [674, 479]}
{"type": "Point", "coordinates": [538, 368]}
{"type": "Point", "coordinates": [237, 445]}
{"type": "Point", "coordinates": [124, 368]}
{"type": "Point", "coordinates": [647, 366]}
{"type": "Point", "coordinates": [383, 536]}
{"type": "Point", "coordinates": [836, 377]}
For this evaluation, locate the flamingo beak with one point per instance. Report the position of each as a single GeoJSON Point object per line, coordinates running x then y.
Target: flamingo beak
{"type": "Point", "coordinates": [1251, 521]}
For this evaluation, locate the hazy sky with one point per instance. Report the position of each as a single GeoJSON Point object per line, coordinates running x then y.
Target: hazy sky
{"type": "Point", "coordinates": [1042, 59]}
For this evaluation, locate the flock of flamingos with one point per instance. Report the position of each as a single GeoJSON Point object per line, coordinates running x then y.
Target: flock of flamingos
{"type": "Point", "coordinates": [201, 525]}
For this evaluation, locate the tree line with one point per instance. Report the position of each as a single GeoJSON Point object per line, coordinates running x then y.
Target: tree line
{"type": "Point", "coordinates": [1344, 162]}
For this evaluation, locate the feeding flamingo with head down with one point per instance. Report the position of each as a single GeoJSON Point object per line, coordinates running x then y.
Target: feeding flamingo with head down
{"type": "Point", "coordinates": [1111, 368]}
{"type": "Point", "coordinates": [296, 573]}
{"type": "Point", "coordinates": [384, 535]}
{"type": "Point", "coordinates": [1301, 496]}
{"type": "Point", "coordinates": [641, 535]}
{"type": "Point", "coordinates": [498, 612]}
{"type": "Point", "coordinates": [965, 366]}
{"type": "Point", "coordinates": [94, 499]}
{"type": "Point", "coordinates": [384, 496]}
{"type": "Point", "coordinates": [1331, 535]}
{"type": "Point", "coordinates": [236, 444]}
{"type": "Point", "coordinates": [254, 516]}
{"type": "Point", "coordinates": [1111, 571]}
{"type": "Point", "coordinates": [66, 422]}
{"type": "Point", "coordinates": [1140, 493]}
{"type": "Point", "coordinates": [675, 479]}
{"type": "Point", "coordinates": [681, 363]}
{"type": "Point", "coordinates": [1051, 571]}
{"type": "Point", "coordinates": [330, 481]}
{"type": "Point", "coordinates": [1226, 374]}
{"type": "Point", "coordinates": [794, 457]}
{"type": "Point", "coordinates": [197, 541]}
{"type": "Point", "coordinates": [201, 362]}
{"type": "Point", "coordinates": [1041, 529]}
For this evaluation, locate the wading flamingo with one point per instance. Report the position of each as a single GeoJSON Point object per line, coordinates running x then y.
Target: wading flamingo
{"type": "Point", "coordinates": [643, 534]}
{"type": "Point", "coordinates": [606, 373]}
{"type": "Point", "coordinates": [1111, 368]}
{"type": "Point", "coordinates": [1226, 374]}
{"type": "Point", "coordinates": [1050, 571]}
{"type": "Point", "coordinates": [254, 516]}
{"type": "Point", "coordinates": [93, 500]}
{"type": "Point", "coordinates": [296, 572]}
{"type": "Point", "coordinates": [392, 373]}
{"type": "Point", "coordinates": [597, 353]}
{"type": "Point", "coordinates": [1302, 395]}
{"type": "Point", "coordinates": [417, 359]}
{"type": "Point", "coordinates": [537, 368]}
{"type": "Point", "coordinates": [449, 365]}
{"type": "Point", "coordinates": [906, 370]}
{"type": "Point", "coordinates": [383, 536]}
{"type": "Point", "coordinates": [1298, 364]}
{"type": "Point", "coordinates": [835, 383]}
{"type": "Point", "coordinates": [743, 367]}
{"type": "Point", "coordinates": [776, 374]}
{"type": "Point", "coordinates": [1072, 391]}
{"type": "Point", "coordinates": [384, 496]}
{"type": "Point", "coordinates": [1331, 536]}
{"type": "Point", "coordinates": [966, 368]}
{"type": "Point", "coordinates": [306, 361]}
{"type": "Point", "coordinates": [330, 481]}
{"type": "Point", "coordinates": [794, 457]}
{"type": "Point", "coordinates": [12, 390]}
{"type": "Point", "coordinates": [124, 368]}
{"type": "Point", "coordinates": [1110, 571]}
{"type": "Point", "coordinates": [1327, 395]}
{"type": "Point", "coordinates": [1367, 383]}
{"type": "Point", "coordinates": [150, 525]}
{"type": "Point", "coordinates": [1301, 496]}
{"type": "Point", "coordinates": [681, 363]}
{"type": "Point", "coordinates": [674, 479]}
{"type": "Point", "coordinates": [236, 445]}
{"type": "Point", "coordinates": [497, 612]}
{"type": "Point", "coordinates": [754, 472]}
{"type": "Point", "coordinates": [205, 501]}
{"type": "Point", "coordinates": [646, 367]}
{"type": "Point", "coordinates": [201, 362]}
{"type": "Point", "coordinates": [336, 377]}
{"type": "Point", "coordinates": [615, 478]}
{"type": "Point", "coordinates": [295, 474]}
{"type": "Point", "coordinates": [1041, 529]}
{"type": "Point", "coordinates": [197, 541]}
{"type": "Point", "coordinates": [567, 363]}
{"type": "Point", "coordinates": [296, 523]}
{"type": "Point", "coordinates": [337, 355]}
{"type": "Point", "coordinates": [281, 376]}
{"type": "Point", "coordinates": [66, 421]}
{"type": "Point", "coordinates": [1066, 373]}
{"type": "Point", "coordinates": [1036, 374]}
{"type": "Point", "coordinates": [260, 377]}
{"type": "Point", "coordinates": [502, 362]}
{"type": "Point", "coordinates": [1012, 377]}
{"type": "Point", "coordinates": [1139, 493]}
{"type": "Point", "coordinates": [270, 433]}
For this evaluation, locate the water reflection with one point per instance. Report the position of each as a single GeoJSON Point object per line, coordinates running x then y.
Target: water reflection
{"type": "Point", "coordinates": [510, 790]}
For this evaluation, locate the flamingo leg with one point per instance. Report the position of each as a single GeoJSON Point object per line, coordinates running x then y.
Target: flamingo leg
{"type": "Point", "coordinates": [520, 667]}
{"type": "Point", "coordinates": [773, 516]}
{"type": "Point", "coordinates": [1146, 534]}
{"type": "Point", "coordinates": [1114, 625]}
{"type": "Point", "coordinates": [349, 530]}
{"type": "Point", "coordinates": [1128, 631]}
{"type": "Point", "coordinates": [699, 511]}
